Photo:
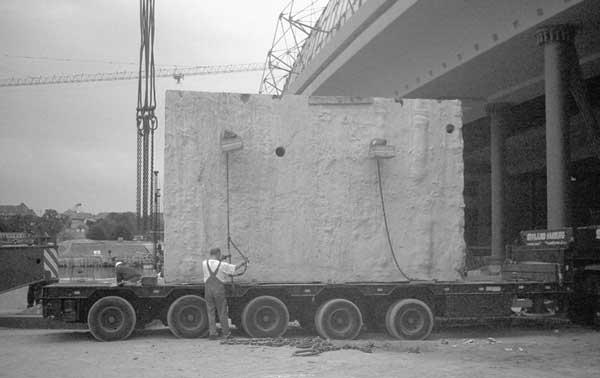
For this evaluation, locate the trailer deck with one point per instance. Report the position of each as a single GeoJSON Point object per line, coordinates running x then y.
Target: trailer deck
{"type": "Point", "coordinates": [356, 304]}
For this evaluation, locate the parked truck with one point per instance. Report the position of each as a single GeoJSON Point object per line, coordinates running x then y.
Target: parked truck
{"type": "Point", "coordinates": [350, 212]}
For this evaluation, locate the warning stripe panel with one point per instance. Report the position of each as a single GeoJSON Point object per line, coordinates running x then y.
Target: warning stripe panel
{"type": "Point", "coordinates": [52, 253]}
{"type": "Point", "coordinates": [51, 262]}
{"type": "Point", "coordinates": [48, 269]}
{"type": "Point", "coordinates": [51, 258]}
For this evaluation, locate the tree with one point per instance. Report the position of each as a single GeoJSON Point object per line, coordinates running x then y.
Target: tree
{"type": "Point", "coordinates": [113, 227]}
{"type": "Point", "coordinates": [121, 231]}
{"type": "Point", "coordinates": [20, 223]}
{"type": "Point", "coordinates": [51, 223]}
{"type": "Point", "coordinates": [96, 232]}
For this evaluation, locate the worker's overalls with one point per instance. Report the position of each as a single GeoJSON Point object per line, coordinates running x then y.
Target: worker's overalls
{"type": "Point", "coordinates": [214, 293]}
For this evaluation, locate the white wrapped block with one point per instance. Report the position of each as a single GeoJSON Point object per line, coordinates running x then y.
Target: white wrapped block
{"type": "Point", "coordinates": [314, 213]}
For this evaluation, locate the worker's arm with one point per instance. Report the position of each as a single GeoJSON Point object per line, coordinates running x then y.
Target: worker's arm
{"type": "Point", "coordinates": [231, 268]}
{"type": "Point", "coordinates": [236, 266]}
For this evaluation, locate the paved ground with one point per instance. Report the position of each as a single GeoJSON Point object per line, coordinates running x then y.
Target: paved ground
{"type": "Point", "coordinates": [465, 353]}
{"type": "Point", "coordinates": [13, 301]}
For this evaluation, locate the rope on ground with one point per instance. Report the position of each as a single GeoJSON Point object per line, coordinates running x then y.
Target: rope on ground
{"type": "Point", "coordinates": [307, 346]}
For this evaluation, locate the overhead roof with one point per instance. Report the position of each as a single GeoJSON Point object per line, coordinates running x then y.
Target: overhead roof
{"type": "Point", "coordinates": [478, 51]}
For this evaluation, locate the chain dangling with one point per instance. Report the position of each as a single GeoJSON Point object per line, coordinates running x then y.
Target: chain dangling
{"type": "Point", "coordinates": [147, 122]}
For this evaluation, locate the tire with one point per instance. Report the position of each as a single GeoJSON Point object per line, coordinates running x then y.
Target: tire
{"type": "Point", "coordinates": [187, 317]}
{"type": "Point", "coordinates": [265, 316]}
{"type": "Point", "coordinates": [409, 319]}
{"type": "Point", "coordinates": [111, 319]}
{"type": "Point", "coordinates": [338, 319]}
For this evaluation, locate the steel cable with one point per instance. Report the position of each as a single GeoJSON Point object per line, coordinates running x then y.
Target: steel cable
{"type": "Point", "coordinates": [230, 242]}
{"type": "Point", "coordinates": [385, 221]}
{"type": "Point", "coordinates": [307, 346]}
{"type": "Point", "coordinates": [146, 120]}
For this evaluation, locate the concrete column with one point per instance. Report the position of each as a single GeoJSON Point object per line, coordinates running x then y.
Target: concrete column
{"type": "Point", "coordinates": [499, 117]}
{"type": "Point", "coordinates": [558, 44]}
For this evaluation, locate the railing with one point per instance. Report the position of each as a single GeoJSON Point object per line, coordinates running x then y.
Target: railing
{"type": "Point", "coordinates": [82, 269]}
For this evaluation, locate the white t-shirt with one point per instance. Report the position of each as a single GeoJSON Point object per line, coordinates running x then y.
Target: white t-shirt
{"type": "Point", "coordinates": [223, 272]}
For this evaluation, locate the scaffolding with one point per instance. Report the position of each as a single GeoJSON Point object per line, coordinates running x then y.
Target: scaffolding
{"type": "Point", "coordinates": [303, 29]}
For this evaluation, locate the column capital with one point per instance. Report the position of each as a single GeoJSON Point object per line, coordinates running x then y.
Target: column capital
{"type": "Point", "coordinates": [493, 108]}
{"type": "Point", "coordinates": [556, 33]}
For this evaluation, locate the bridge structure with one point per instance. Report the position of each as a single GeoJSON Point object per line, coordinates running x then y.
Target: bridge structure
{"type": "Point", "coordinates": [526, 72]}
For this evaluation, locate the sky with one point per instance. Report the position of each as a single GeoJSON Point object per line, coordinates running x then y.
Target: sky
{"type": "Point", "coordinates": [76, 143]}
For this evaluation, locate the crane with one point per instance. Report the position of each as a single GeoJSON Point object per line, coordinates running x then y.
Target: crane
{"type": "Point", "coordinates": [174, 72]}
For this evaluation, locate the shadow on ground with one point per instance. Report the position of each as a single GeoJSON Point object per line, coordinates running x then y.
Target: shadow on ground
{"type": "Point", "coordinates": [381, 339]}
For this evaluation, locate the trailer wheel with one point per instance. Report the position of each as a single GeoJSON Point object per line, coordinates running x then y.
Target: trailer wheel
{"type": "Point", "coordinates": [338, 319]}
{"type": "Point", "coordinates": [265, 316]}
{"type": "Point", "coordinates": [187, 317]}
{"type": "Point", "coordinates": [111, 318]}
{"type": "Point", "coordinates": [409, 319]}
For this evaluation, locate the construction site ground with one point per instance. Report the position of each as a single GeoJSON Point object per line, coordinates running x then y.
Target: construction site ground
{"type": "Point", "coordinates": [482, 351]}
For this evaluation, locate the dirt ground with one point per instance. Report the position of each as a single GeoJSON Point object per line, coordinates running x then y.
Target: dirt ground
{"type": "Point", "coordinates": [465, 352]}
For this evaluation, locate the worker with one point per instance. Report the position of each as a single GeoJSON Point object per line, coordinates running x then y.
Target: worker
{"type": "Point", "coordinates": [216, 272]}
{"type": "Point", "coordinates": [34, 294]}
{"type": "Point", "coordinates": [126, 275]}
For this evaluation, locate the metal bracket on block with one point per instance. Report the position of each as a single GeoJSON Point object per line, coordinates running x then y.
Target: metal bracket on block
{"type": "Point", "coordinates": [379, 149]}
{"type": "Point", "coordinates": [230, 141]}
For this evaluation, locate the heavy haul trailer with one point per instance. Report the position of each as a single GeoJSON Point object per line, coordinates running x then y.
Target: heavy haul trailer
{"type": "Point", "coordinates": [337, 311]}
{"type": "Point", "coordinates": [568, 285]}
{"type": "Point", "coordinates": [351, 212]}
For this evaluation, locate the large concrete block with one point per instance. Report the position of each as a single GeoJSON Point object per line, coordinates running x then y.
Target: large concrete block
{"type": "Point", "coordinates": [314, 214]}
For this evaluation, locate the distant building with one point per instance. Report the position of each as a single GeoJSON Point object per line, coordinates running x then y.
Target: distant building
{"type": "Point", "coordinates": [7, 211]}
{"type": "Point", "coordinates": [78, 219]}
{"type": "Point", "coordinates": [13, 237]}
{"type": "Point", "coordinates": [24, 238]}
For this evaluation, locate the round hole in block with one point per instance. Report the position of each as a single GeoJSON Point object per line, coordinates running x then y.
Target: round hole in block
{"type": "Point", "coordinates": [280, 151]}
{"type": "Point", "coordinates": [449, 128]}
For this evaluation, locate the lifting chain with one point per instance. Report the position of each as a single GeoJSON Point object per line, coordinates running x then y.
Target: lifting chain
{"type": "Point", "coordinates": [307, 346]}
{"type": "Point", "coordinates": [146, 120]}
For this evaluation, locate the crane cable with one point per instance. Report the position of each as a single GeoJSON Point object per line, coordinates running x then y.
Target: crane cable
{"type": "Point", "coordinates": [146, 120]}
{"type": "Point", "coordinates": [230, 242]}
{"type": "Point", "coordinates": [385, 222]}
